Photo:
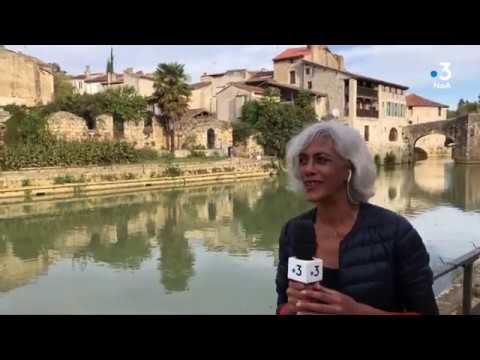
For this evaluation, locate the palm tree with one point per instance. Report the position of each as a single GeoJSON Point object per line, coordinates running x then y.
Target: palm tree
{"type": "Point", "coordinates": [172, 94]}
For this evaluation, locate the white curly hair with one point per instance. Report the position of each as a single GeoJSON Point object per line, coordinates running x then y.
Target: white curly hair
{"type": "Point", "coordinates": [348, 143]}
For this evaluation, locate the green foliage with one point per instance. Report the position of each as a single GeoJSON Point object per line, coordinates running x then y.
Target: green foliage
{"type": "Point", "coordinates": [250, 113]}
{"type": "Point", "coordinates": [129, 176]}
{"type": "Point", "coordinates": [465, 107]}
{"type": "Point", "coordinates": [62, 87]}
{"type": "Point", "coordinates": [147, 154]}
{"type": "Point", "coordinates": [276, 122]}
{"type": "Point", "coordinates": [61, 153]}
{"type": "Point", "coordinates": [241, 130]}
{"type": "Point", "coordinates": [189, 142]}
{"type": "Point", "coordinates": [68, 179]}
{"type": "Point", "coordinates": [198, 147]}
{"type": "Point", "coordinates": [390, 159]}
{"type": "Point", "coordinates": [25, 125]}
{"type": "Point", "coordinates": [172, 171]}
{"type": "Point", "coordinates": [123, 103]}
{"type": "Point", "coordinates": [377, 159]}
{"type": "Point", "coordinates": [26, 182]}
{"type": "Point", "coordinates": [197, 154]}
{"type": "Point", "coordinates": [172, 94]}
{"type": "Point", "coordinates": [167, 157]}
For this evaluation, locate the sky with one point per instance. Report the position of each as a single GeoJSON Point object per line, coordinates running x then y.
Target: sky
{"type": "Point", "coordinates": [409, 65]}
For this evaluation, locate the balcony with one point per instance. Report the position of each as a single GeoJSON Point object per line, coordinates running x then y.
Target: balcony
{"type": "Point", "coordinates": [367, 113]}
{"type": "Point", "coordinates": [367, 92]}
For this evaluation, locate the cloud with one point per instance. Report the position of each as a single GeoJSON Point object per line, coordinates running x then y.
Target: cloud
{"type": "Point", "coordinates": [411, 64]}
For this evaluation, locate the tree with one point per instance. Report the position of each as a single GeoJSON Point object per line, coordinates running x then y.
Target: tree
{"type": "Point", "coordinates": [123, 103]}
{"type": "Point", "coordinates": [277, 122]}
{"type": "Point", "coordinates": [172, 94]}
{"type": "Point", "coordinates": [110, 63]}
{"type": "Point", "coordinates": [62, 87]}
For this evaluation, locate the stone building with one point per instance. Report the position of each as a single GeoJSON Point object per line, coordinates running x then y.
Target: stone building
{"type": "Point", "coordinates": [376, 108]}
{"type": "Point", "coordinates": [204, 93]}
{"type": "Point", "coordinates": [421, 110]}
{"type": "Point", "coordinates": [92, 83]}
{"type": "Point", "coordinates": [24, 80]}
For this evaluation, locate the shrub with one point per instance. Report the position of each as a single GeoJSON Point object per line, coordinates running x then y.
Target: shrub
{"type": "Point", "coordinates": [129, 176]}
{"type": "Point", "coordinates": [26, 182]}
{"type": "Point", "coordinates": [109, 177]}
{"type": "Point", "coordinates": [67, 179]}
{"type": "Point", "coordinates": [390, 159]}
{"type": "Point", "coordinates": [377, 160]}
{"type": "Point", "coordinates": [147, 154]}
{"type": "Point", "coordinates": [62, 153]}
{"type": "Point", "coordinates": [167, 157]}
{"type": "Point", "coordinates": [197, 154]}
{"type": "Point", "coordinates": [172, 171]}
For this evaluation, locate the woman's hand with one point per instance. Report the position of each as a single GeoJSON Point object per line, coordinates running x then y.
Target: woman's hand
{"type": "Point", "coordinates": [294, 293]}
{"type": "Point", "coordinates": [320, 300]}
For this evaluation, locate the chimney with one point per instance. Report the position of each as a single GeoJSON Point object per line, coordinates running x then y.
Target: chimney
{"type": "Point", "coordinates": [340, 62]}
{"type": "Point", "coordinates": [87, 72]}
{"type": "Point", "coordinates": [318, 53]}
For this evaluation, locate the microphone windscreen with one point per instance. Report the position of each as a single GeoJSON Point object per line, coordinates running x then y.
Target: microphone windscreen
{"type": "Point", "coordinates": [304, 240]}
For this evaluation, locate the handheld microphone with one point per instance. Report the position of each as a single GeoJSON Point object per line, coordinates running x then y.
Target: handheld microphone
{"type": "Point", "coordinates": [303, 266]}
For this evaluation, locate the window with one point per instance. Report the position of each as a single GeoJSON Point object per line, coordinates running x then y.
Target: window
{"type": "Point", "coordinates": [386, 89]}
{"type": "Point", "coordinates": [388, 108]}
{"type": "Point", "coordinates": [384, 109]}
{"type": "Point", "coordinates": [393, 136]}
{"type": "Point", "coordinates": [309, 85]}
{"type": "Point", "coordinates": [292, 77]}
{"type": "Point", "coordinates": [291, 61]}
{"type": "Point", "coordinates": [307, 71]}
{"type": "Point", "coordinates": [439, 112]}
{"type": "Point", "coordinates": [366, 133]}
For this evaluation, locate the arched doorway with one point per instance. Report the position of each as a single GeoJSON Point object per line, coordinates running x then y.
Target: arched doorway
{"type": "Point", "coordinates": [393, 135]}
{"type": "Point", "coordinates": [211, 139]}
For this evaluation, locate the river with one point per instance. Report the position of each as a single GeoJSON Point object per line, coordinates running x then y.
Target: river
{"type": "Point", "coordinates": [202, 250]}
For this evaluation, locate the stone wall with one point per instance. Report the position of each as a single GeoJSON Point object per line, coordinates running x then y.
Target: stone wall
{"type": "Point", "coordinates": [68, 126]}
{"type": "Point", "coordinates": [250, 149]}
{"type": "Point", "coordinates": [473, 141]}
{"type": "Point", "coordinates": [24, 80]}
{"type": "Point", "coordinates": [104, 128]}
{"type": "Point", "coordinates": [96, 174]}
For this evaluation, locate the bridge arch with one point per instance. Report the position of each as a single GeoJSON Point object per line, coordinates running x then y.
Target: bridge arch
{"type": "Point", "coordinates": [413, 133]}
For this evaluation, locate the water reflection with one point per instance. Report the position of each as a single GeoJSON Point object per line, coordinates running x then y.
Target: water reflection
{"type": "Point", "coordinates": [170, 234]}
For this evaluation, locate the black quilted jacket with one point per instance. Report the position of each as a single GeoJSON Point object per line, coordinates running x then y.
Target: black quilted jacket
{"type": "Point", "coordinates": [382, 262]}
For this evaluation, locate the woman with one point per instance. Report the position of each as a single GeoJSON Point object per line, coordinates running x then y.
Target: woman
{"type": "Point", "coordinates": [374, 260]}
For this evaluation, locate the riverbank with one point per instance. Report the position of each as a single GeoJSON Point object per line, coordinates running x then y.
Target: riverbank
{"type": "Point", "coordinates": [31, 184]}
{"type": "Point", "coordinates": [450, 301]}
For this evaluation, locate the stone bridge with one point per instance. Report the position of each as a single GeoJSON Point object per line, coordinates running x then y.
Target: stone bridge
{"type": "Point", "coordinates": [463, 133]}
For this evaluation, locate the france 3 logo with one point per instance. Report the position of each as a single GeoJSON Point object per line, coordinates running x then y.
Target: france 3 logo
{"type": "Point", "coordinates": [441, 77]}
